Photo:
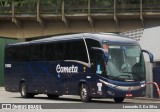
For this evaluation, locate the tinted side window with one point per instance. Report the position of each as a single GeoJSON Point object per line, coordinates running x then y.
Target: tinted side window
{"type": "Point", "coordinates": [78, 50]}
{"type": "Point", "coordinates": [17, 54]}
{"type": "Point", "coordinates": [48, 52]}
{"type": "Point", "coordinates": [53, 51]}
{"type": "Point", "coordinates": [23, 53]}
{"type": "Point", "coordinates": [36, 53]}
{"type": "Point", "coordinates": [92, 43]}
{"type": "Point", "coordinates": [59, 50]}
{"type": "Point", "coordinates": [68, 53]}
{"type": "Point", "coordinates": [9, 54]}
{"type": "Point", "coordinates": [68, 50]}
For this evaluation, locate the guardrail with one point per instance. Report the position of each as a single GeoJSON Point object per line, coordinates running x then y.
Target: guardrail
{"type": "Point", "coordinates": [157, 87]}
{"type": "Point", "coordinates": [128, 8]}
{"type": "Point", "coordinates": [71, 9]}
{"type": "Point", "coordinates": [53, 7]}
{"type": "Point", "coordinates": [78, 8]}
{"type": "Point", "coordinates": [6, 10]}
{"type": "Point", "coordinates": [151, 7]}
{"type": "Point", "coordinates": [50, 9]}
{"type": "Point", "coordinates": [102, 8]}
{"type": "Point", "coordinates": [25, 9]}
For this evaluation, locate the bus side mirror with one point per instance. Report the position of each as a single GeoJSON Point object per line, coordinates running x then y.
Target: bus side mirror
{"type": "Point", "coordinates": [151, 57]}
{"type": "Point", "coordinates": [106, 56]}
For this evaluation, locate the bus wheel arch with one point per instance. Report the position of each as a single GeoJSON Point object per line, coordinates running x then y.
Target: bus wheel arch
{"type": "Point", "coordinates": [80, 85]}
{"type": "Point", "coordinates": [84, 92]}
{"type": "Point", "coordinates": [21, 82]}
{"type": "Point", "coordinates": [23, 90]}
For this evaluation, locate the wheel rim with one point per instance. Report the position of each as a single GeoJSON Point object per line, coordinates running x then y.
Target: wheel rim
{"type": "Point", "coordinates": [23, 91]}
{"type": "Point", "coordinates": [84, 93]}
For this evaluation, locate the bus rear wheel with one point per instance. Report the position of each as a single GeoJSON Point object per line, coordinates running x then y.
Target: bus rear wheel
{"type": "Point", "coordinates": [52, 96]}
{"type": "Point", "coordinates": [24, 93]}
{"type": "Point", "coordinates": [84, 93]}
{"type": "Point", "coordinates": [118, 100]}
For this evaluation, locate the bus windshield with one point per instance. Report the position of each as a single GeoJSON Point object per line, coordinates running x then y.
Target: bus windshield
{"type": "Point", "coordinates": [126, 63]}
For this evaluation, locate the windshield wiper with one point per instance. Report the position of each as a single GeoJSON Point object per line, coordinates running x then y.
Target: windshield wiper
{"type": "Point", "coordinates": [116, 78]}
{"type": "Point", "coordinates": [124, 75]}
{"type": "Point", "coordinates": [127, 72]}
{"type": "Point", "coordinates": [123, 79]}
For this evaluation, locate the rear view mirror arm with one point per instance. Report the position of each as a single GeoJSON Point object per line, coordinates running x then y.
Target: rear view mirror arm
{"type": "Point", "coordinates": [150, 55]}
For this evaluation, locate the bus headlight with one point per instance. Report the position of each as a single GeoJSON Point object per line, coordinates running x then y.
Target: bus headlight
{"type": "Point", "coordinates": [143, 85]}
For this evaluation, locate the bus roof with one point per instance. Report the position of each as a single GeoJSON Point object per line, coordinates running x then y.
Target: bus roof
{"type": "Point", "coordinates": [108, 37]}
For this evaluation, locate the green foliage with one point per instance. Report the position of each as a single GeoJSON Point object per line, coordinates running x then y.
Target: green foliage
{"type": "Point", "coordinates": [24, 2]}
{"type": "Point", "coordinates": [128, 1]}
{"type": "Point", "coordinates": [51, 2]}
{"type": "Point", "coordinates": [103, 2]}
{"type": "Point", "coordinates": [151, 1]}
{"type": "Point", "coordinates": [7, 3]}
{"type": "Point", "coordinates": [138, 1]}
{"type": "Point", "coordinates": [76, 2]}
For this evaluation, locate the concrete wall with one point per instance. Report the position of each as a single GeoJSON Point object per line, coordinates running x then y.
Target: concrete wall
{"type": "Point", "coordinates": [31, 28]}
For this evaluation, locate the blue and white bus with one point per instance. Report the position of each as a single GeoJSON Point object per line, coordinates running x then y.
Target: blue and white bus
{"type": "Point", "coordinates": [92, 65]}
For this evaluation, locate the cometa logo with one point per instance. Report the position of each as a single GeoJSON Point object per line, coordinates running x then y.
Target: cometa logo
{"type": "Point", "coordinates": [70, 69]}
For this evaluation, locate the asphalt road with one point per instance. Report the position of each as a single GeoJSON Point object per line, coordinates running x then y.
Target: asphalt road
{"type": "Point", "coordinates": [8, 97]}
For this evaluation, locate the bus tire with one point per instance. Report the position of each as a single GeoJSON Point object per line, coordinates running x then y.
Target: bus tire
{"type": "Point", "coordinates": [118, 100]}
{"type": "Point", "coordinates": [84, 93]}
{"type": "Point", "coordinates": [52, 96]}
{"type": "Point", "coordinates": [23, 91]}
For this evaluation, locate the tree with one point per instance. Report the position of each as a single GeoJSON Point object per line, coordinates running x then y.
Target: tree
{"type": "Point", "coordinates": [5, 3]}
{"type": "Point", "coordinates": [102, 2]}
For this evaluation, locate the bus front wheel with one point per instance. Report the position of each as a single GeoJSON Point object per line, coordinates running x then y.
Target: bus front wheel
{"type": "Point", "coordinates": [118, 100]}
{"type": "Point", "coordinates": [84, 93]}
{"type": "Point", "coordinates": [24, 93]}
